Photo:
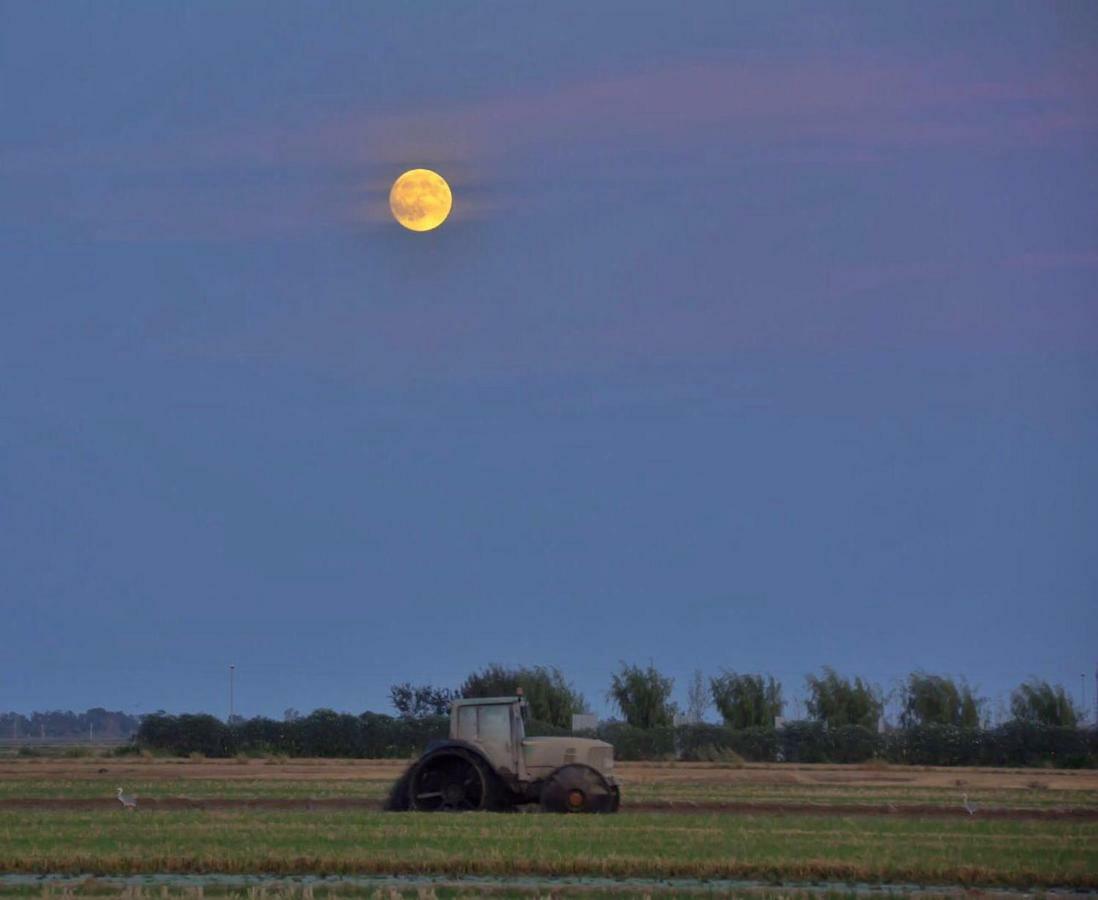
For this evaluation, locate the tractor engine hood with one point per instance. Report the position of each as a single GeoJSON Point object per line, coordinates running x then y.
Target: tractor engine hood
{"type": "Point", "coordinates": [543, 755]}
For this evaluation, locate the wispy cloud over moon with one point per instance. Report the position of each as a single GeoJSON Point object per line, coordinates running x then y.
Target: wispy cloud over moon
{"type": "Point", "coordinates": [317, 169]}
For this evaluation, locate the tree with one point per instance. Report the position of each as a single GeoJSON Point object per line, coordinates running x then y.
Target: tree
{"type": "Point", "coordinates": [551, 698]}
{"type": "Point", "coordinates": [697, 697]}
{"type": "Point", "coordinates": [745, 701]}
{"type": "Point", "coordinates": [836, 701]}
{"type": "Point", "coordinates": [1039, 702]}
{"type": "Point", "coordinates": [938, 700]}
{"type": "Point", "coordinates": [642, 695]}
{"type": "Point", "coordinates": [420, 701]}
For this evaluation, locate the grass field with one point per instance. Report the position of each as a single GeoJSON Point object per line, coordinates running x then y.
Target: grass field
{"type": "Point", "coordinates": [921, 839]}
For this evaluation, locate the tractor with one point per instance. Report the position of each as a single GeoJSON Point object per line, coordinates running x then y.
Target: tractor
{"type": "Point", "coordinates": [488, 763]}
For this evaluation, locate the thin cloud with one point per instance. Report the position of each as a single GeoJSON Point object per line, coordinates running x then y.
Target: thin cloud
{"type": "Point", "coordinates": [1041, 261]}
{"type": "Point", "coordinates": [326, 171]}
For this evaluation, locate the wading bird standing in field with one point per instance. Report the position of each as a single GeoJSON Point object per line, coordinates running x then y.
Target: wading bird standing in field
{"type": "Point", "coordinates": [970, 808]}
{"type": "Point", "coordinates": [128, 801]}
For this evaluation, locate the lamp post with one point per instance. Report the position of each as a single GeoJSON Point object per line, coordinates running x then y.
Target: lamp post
{"type": "Point", "coordinates": [1083, 701]}
{"type": "Point", "coordinates": [232, 678]}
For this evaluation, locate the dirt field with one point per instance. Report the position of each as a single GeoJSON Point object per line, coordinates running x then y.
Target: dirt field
{"type": "Point", "coordinates": [760, 774]}
{"type": "Point", "coordinates": [88, 784]}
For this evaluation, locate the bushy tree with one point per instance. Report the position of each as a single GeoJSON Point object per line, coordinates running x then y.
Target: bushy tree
{"type": "Point", "coordinates": [643, 696]}
{"type": "Point", "coordinates": [837, 701]}
{"type": "Point", "coordinates": [1039, 702]}
{"type": "Point", "coordinates": [419, 701]}
{"type": "Point", "coordinates": [938, 700]}
{"type": "Point", "coordinates": [551, 698]}
{"type": "Point", "coordinates": [746, 701]}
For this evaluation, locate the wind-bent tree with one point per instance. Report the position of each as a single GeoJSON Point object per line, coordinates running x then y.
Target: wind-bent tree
{"type": "Point", "coordinates": [550, 696]}
{"type": "Point", "coordinates": [939, 700]}
{"type": "Point", "coordinates": [745, 701]}
{"type": "Point", "coordinates": [642, 695]}
{"type": "Point", "coordinates": [1041, 703]}
{"type": "Point", "coordinates": [838, 701]}
{"type": "Point", "coordinates": [419, 701]}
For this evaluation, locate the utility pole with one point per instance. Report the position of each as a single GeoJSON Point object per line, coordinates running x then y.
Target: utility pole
{"type": "Point", "coordinates": [232, 678]}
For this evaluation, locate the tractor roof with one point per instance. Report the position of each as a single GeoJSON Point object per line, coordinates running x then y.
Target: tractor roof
{"type": "Point", "coordinates": [484, 701]}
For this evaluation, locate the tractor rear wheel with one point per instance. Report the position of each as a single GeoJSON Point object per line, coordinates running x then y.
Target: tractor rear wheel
{"type": "Point", "coordinates": [450, 781]}
{"type": "Point", "coordinates": [578, 789]}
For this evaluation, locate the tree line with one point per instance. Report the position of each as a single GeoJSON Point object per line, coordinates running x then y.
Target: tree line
{"type": "Point", "coordinates": [939, 721]}
{"type": "Point", "coordinates": [642, 696]}
{"type": "Point", "coordinates": [327, 733]}
{"type": "Point", "coordinates": [93, 724]}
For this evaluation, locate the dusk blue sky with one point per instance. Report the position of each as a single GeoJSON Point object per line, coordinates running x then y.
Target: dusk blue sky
{"type": "Point", "coordinates": [762, 336]}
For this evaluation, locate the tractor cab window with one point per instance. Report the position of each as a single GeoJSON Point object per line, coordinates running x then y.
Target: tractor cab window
{"type": "Point", "coordinates": [467, 723]}
{"type": "Point", "coordinates": [495, 723]}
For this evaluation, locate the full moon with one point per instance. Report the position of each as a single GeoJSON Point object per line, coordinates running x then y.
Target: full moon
{"type": "Point", "coordinates": [420, 199]}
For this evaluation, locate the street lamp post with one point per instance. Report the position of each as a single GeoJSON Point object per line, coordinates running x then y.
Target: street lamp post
{"type": "Point", "coordinates": [232, 677]}
{"type": "Point", "coordinates": [1083, 699]}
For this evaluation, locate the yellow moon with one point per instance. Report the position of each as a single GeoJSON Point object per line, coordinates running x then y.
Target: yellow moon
{"type": "Point", "coordinates": [420, 199]}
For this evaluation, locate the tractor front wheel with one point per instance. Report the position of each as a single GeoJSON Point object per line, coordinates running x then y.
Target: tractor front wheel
{"type": "Point", "coordinates": [578, 789]}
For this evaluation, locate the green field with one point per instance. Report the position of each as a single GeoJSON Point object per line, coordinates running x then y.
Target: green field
{"type": "Point", "coordinates": [936, 846]}
{"type": "Point", "coordinates": [961, 851]}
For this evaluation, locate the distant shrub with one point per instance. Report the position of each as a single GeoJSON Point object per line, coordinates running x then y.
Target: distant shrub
{"type": "Point", "coordinates": [853, 744]}
{"type": "Point", "coordinates": [714, 754]}
{"type": "Point", "coordinates": [373, 735]}
{"type": "Point", "coordinates": [631, 743]}
{"type": "Point", "coordinates": [701, 742]}
{"type": "Point", "coordinates": [804, 742]}
{"type": "Point", "coordinates": [185, 734]}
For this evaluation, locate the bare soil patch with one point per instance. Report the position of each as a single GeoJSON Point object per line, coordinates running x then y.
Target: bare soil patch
{"type": "Point", "coordinates": [137, 768]}
{"type": "Point", "coordinates": [304, 770]}
{"type": "Point", "coordinates": [685, 807]}
{"type": "Point", "coordinates": [861, 776]}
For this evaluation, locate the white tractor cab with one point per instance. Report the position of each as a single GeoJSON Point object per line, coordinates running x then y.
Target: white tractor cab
{"type": "Point", "coordinates": [489, 763]}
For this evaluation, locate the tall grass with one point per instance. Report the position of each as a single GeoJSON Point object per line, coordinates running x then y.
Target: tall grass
{"type": "Point", "coordinates": [770, 848]}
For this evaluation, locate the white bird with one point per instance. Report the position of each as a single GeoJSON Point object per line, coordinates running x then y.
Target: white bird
{"type": "Point", "coordinates": [128, 801]}
{"type": "Point", "coordinates": [970, 808]}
